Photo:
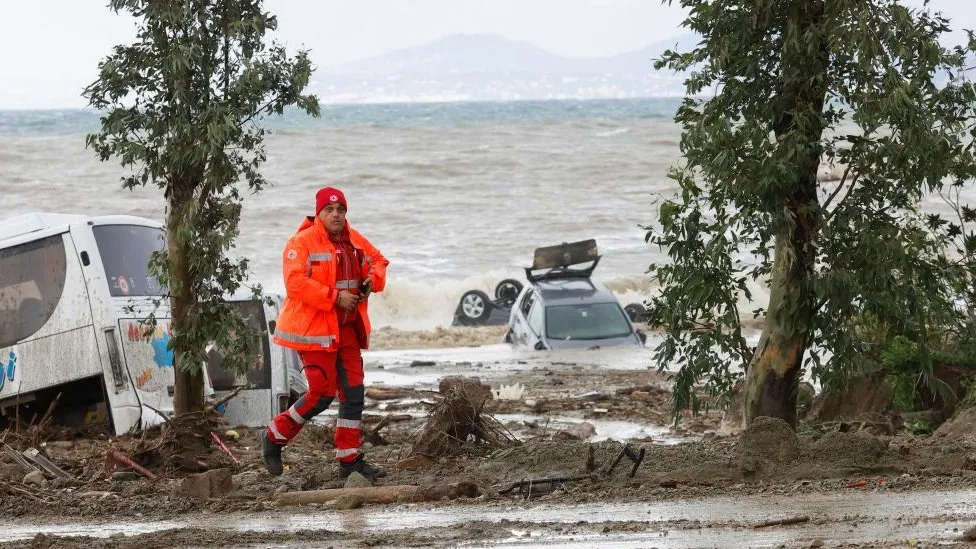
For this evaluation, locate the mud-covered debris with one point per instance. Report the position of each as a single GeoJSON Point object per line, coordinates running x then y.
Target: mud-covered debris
{"type": "Point", "coordinates": [211, 484]}
{"type": "Point", "coordinates": [387, 393]}
{"type": "Point", "coordinates": [767, 442]}
{"type": "Point", "coordinates": [848, 449]}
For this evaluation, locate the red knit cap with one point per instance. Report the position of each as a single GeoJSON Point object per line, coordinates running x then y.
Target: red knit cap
{"type": "Point", "coordinates": [329, 195]}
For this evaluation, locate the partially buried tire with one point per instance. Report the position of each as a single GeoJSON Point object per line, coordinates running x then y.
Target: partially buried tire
{"type": "Point", "coordinates": [507, 290]}
{"type": "Point", "coordinates": [636, 312]}
{"type": "Point", "coordinates": [474, 308]}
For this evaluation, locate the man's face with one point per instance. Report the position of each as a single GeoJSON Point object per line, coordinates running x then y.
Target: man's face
{"type": "Point", "coordinates": [333, 216]}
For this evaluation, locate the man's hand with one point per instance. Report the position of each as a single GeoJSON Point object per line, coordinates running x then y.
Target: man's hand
{"type": "Point", "coordinates": [347, 300]}
{"type": "Point", "coordinates": [367, 288]}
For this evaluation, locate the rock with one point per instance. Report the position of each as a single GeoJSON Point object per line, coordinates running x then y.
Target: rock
{"type": "Point", "coordinates": [35, 478]}
{"type": "Point", "coordinates": [355, 480]}
{"type": "Point", "coordinates": [816, 543]}
{"type": "Point", "coordinates": [767, 441]}
{"type": "Point", "coordinates": [580, 431]}
{"type": "Point", "coordinates": [210, 484]}
{"type": "Point", "coordinates": [42, 541]}
{"type": "Point", "coordinates": [350, 501]}
{"type": "Point", "coordinates": [125, 476]}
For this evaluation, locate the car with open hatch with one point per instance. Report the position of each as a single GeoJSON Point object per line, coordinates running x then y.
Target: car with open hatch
{"type": "Point", "coordinates": [563, 307]}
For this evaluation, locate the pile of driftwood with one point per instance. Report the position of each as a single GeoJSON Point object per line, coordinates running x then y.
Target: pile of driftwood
{"type": "Point", "coordinates": [457, 421]}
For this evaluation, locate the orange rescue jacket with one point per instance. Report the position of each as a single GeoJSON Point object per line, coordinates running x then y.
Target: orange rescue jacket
{"type": "Point", "coordinates": [309, 319]}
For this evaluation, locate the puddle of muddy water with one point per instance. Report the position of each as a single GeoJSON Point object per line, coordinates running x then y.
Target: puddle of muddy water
{"type": "Point", "coordinates": [605, 429]}
{"type": "Point", "coordinates": [844, 517]}
{"type": "Point", "coordinates": [394, 368]}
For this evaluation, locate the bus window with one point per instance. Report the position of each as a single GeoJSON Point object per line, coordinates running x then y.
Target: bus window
{"type": "Point", "coordinates": [125, 251]}
{"type": "Point", "coordinates": [258, 375]}
{"type": "Point", "coordinates": [32, 277]}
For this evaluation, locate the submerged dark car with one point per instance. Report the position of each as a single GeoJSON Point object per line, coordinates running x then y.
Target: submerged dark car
{"type": "Point", "coordinates": [475, 308]}
{"type": "Point", "coordinates": [563, 307]}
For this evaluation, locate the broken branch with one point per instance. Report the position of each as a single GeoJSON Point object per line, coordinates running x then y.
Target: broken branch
{"type": "Point", "coordinates": [783, 522]}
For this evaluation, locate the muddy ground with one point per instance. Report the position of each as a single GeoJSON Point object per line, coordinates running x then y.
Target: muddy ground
{"type": "Point", "coordinates": [547, 431]}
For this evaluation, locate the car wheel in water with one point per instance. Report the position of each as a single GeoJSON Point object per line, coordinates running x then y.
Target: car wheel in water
{"type": "Point", "coordinates": [507, 290]}
{"type": "Point", "coordinates": [636, 312]}
{"type": "Point", "coordinates": [475, 307]}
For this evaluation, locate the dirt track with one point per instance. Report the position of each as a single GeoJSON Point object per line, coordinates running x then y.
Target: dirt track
{"type": "Point", "coordinates": [767, 473]}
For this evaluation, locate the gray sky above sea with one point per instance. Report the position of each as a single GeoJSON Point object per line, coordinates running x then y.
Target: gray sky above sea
{"type": "Point", "coordinates": [51, 49]}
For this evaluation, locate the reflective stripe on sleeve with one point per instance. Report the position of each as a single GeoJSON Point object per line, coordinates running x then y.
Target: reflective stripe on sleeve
{"type": "Point", "coordinates": [320, 257]}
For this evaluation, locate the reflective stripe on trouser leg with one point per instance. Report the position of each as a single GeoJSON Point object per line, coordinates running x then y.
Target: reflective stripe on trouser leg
{"type": "Point", "coordinates": [351, 393]}
{"type": "Point", "coordinates": [286, 425]}
{"type": "Point", "coordinates": [349, 427]}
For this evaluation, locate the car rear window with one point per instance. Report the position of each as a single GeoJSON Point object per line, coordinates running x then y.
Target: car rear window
{"type": "Point", "coordinates": [586, 321]}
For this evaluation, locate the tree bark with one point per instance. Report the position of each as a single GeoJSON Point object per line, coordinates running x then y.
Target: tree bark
{"type": "Point", "coordinates": [188, 382]}
{"type": "Point", "coordinates": [773, 375]}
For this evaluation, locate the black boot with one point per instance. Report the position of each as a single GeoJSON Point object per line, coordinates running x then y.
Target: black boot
{"type": "Point", "coordinates": [271, 453]}
{"type": "Point", "coordinates": [362, 467]}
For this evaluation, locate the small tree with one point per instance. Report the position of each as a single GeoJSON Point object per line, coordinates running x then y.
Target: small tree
{"type": "Point", "coordinates": [861, 85]}
{"type": "Point", "coordinates": [181, 107]}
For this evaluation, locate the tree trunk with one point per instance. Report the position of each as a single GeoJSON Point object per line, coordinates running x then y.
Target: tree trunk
{"type": "Point", "coordinates": [773, 375]}
{"type": "Point", "coordinates": [188, 383]}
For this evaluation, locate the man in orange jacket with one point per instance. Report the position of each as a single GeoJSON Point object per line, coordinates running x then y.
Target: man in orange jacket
{"type": "Point", "coordinates": [329, 270]}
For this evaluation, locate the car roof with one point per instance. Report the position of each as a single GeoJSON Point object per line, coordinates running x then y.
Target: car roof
{"type": "Point", "coordinates": [567, 291]}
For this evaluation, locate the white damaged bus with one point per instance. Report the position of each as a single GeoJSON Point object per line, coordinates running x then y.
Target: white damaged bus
{"type": "Point", "coordinates": [73, 293]}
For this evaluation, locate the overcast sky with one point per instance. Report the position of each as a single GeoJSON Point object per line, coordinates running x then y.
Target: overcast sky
{"type": "Point", "coordinates": [49, 49]}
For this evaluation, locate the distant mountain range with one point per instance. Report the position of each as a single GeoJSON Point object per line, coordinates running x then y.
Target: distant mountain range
{"type": "Point", "coordinates": [477, 67]}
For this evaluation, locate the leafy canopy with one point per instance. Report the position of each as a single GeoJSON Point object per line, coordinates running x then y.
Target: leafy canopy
{"type": "Point", "coordinates": [898, 125]}
{"type": "Point", "coordinates": [182, 107]}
